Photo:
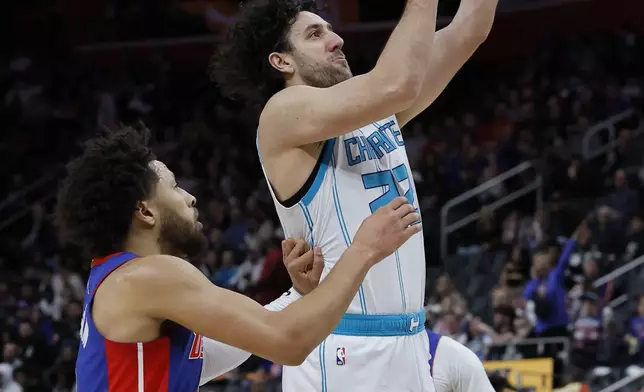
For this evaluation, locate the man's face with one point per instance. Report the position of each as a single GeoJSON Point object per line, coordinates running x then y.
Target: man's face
{"type": "Point", "coordinates": [316, 53]}
{"type": "Point", "coordinates": [540, 265]}
{"type": "Point", "coordinates": [179, 231]}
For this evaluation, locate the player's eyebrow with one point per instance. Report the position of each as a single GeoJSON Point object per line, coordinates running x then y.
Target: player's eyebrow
{"type": "Point", "coordinates": [317, 26]}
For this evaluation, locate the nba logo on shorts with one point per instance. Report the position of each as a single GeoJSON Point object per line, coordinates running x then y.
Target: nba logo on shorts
{"type": "Point", "coordinates": [340, 356]}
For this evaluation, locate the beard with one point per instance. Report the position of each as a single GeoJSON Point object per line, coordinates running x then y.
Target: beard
{"type": "Point", "coordinates": [181, 237]}
{"type": "Point", "coordinates": [321, 75]}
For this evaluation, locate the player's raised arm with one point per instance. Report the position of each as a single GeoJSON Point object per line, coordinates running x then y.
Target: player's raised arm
{"type": "Point", "coordinates": [175, 290]}
{"type": "Point", "coordinates": [300, 115]}
{"type": "Point", "coordinates": [453, 46]}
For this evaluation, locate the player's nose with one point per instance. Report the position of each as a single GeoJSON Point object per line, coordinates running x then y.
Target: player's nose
{"type": "Point", "coordinates": [335, 42]}
{"type": "Point", "coordinates": [192, 201]}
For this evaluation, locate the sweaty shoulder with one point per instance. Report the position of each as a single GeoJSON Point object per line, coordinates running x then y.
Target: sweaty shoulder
{"type": "Point", "coordinates": [140, 293]}
{"type": "Point", "coordinates": [156, 270]}
{"type": "Point", "coordinates": [144, 277]}
{"type": "Point", "coordinates": [284, 99]}
{"type": "Point", "coordinates": [124, 303]}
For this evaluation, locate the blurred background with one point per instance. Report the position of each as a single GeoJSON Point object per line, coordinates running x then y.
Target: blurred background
{"type": "Point", "coordinates": [528, 166]}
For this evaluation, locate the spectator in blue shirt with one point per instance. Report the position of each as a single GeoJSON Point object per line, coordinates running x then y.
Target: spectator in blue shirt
{"type": "Point", "coordinates": [548, 293]}
{"type": "Point", "coordinates": [635, 337]}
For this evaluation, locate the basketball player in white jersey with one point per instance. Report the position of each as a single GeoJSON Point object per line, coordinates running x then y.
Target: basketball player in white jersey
{"type": "Point", "coordinates": [454, 367]}
{"type": "Point", "coordinates": [333, 153]}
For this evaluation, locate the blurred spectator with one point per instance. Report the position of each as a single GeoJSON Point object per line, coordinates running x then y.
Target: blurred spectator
{"type": "Point", "coordinates": [635, 335]}
{"type": "Point", "coordinates": [546, 290]}
{"type": "Point", "coordinates": [445, 298]}
{"type": "Point", "coordinates": [7, 383]}
{"type": "Point", "coordinates": [588, 331]}
{"type": "Point", "coordinates": [227, 271]}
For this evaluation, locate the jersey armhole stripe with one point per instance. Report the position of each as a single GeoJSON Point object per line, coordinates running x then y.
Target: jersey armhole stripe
{"type": "Point", "coordinates": [313, 183]}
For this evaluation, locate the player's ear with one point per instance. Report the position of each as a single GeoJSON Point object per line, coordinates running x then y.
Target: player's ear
{"type": "Point", "coordinates": [281, 62]}
{"type": "Point", "coordinates": [145, 213]}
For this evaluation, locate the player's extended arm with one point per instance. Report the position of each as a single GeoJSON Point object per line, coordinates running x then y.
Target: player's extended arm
{"type": "Point", "coordinates": [175, 290]}
{"type": "Point", "coordinates": [304, 268]}
{"type": "Point", "coordinates": [220, 358]}
{"type": "Point", "coordinates": [302, 115]}
{"type": "Point", "coordinates": [453, 46]}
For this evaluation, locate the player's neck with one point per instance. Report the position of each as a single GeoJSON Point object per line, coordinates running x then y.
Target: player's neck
{"type": "Point", "coordinates": [143, 245]}
{"type": "Point", "coordinates": [294, 80]}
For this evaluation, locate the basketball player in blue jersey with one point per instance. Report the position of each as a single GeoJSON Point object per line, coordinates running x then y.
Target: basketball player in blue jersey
{"type": "Point", "coordinates": [333, 153]}
{"type": "Point", "coordinates": [147, 309]}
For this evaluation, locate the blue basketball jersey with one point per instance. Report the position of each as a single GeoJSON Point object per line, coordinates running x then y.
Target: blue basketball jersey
{"type": "Point", "coordinates": [171, 363]}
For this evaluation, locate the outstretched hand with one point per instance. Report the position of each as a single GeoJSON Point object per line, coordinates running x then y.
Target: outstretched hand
{"type": "Point", "coordinates": [304, 265]}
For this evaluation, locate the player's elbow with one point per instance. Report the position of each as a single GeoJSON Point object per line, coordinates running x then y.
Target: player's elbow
{"type": "Point", "coordinates": [400, 88]}
{"type": "Point", "coordinates": [300, 347]}
{"type": "Point", "coordinates": [288, 345]}
{"type": "Point", "coordinates": [296, 357]}
{"type": "Point", "coordinates": [291, 353]}
{"type": "Point", "coordinates": [404, 89]}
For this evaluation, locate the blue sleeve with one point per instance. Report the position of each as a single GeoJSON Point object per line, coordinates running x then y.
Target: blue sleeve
{"type": "Point", "coordinates": [557, 274]}
{"type": "Point", "coordinates": [529, 289]}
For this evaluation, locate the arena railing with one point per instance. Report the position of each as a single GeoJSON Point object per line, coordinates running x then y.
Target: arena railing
{"type": "Point", "coordinates": [19, 195]}
{"type": "Point", "coordinates": [619, 271]}
{"type": "Point", "coordinates": [541, 352]}
{"type": "Point", "coordinates": [40, 191]}
{"type": "Point", "coordinates": [540, 343]}
{"type": "Point", "coordinates": [534, 186]}
{"type": "Point", "coordinates": [608, 126]}
{"type": "Point", "coordinates": [633, 382]}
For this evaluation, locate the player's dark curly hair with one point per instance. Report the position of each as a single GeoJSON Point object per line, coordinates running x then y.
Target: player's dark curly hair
{"type": "Point", "coordinates": [97, 199]}
{"type": "Point", "coordinates": [240, 65]}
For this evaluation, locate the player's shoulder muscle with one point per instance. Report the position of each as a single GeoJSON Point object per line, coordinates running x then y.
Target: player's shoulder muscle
{"type": "Point", "coordinates": [150, 279]}
{"type": "Point", "coordinates": [281, 119]}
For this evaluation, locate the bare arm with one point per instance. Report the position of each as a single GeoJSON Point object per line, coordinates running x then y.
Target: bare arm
{"type": "Point", "coordinates": [175, 290]}
{"type": "Point", "coordinates": [302, 115]}
{"type": "Point", "coordinates": [453, 46]}
{"type": "Point", "coordinates": [304, 267]}
{"type": "Point", "coordinates": [220, 358]}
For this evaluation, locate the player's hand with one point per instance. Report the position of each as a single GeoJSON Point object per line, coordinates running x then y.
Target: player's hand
{"type": "Point", "coordinates": [388, 228]}
{"type": "Point", "coordinates": [304, 265]}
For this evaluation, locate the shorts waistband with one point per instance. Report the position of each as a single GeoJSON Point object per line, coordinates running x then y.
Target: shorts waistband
{"type": "Point", "coordinates": [381, 324]}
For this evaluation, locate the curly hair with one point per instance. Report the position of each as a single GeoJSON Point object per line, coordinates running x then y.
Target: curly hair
{"type": "Point", "coordinates": [97, 199]}
{"type": "Point", "coordinates": [240, 65]}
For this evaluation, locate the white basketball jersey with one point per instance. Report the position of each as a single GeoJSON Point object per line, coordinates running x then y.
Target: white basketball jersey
{"type": "Point", "coordinates": [356, 174]}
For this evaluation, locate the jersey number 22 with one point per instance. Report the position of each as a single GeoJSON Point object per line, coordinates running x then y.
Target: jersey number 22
{"type": "Point", "coordinates": [389, 179]}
